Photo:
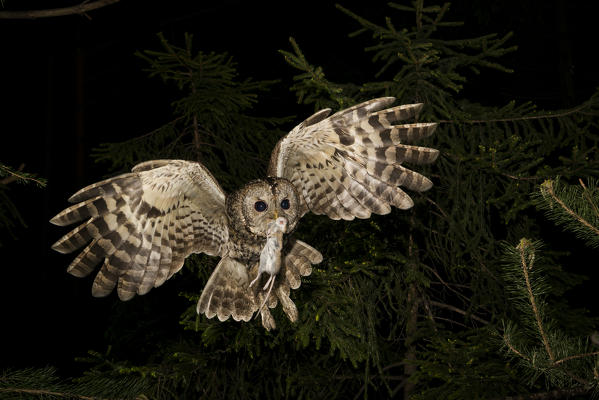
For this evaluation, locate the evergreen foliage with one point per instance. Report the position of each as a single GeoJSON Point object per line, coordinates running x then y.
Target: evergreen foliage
{"type": "Point", "coordinates": [540, 346]}
{"type": "Point", "coordinates": [211, 124]}
{"type": "Point", "coordinates": [44, 383]}
{"type": "Point", "coordinates": [407, 305]}
{"type": "Point", "coordinates": [573, 206]}
{"type": "Point", "coordinates": [9, 213]}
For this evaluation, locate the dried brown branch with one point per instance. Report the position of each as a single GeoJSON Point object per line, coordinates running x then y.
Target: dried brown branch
{"type": "Point", "coordinates": [81, 9]}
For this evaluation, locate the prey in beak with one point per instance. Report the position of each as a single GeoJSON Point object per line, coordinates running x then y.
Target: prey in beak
{"type": "Point", "coordinates": [270, 256]}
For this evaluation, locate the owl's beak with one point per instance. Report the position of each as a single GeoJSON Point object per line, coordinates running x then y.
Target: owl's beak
{"type": "Point", "coordinates": [276, 214]}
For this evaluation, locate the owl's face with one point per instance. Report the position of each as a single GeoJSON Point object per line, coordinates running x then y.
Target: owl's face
{"type": "Point", "coordinates": [262, 201]}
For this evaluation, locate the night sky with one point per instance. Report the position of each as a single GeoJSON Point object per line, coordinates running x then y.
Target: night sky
{"type": "Point", "coordinates": [70, 83]}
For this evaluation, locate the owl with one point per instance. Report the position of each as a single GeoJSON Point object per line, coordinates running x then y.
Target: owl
{"type": "Point", "coordinates": [140, 226]}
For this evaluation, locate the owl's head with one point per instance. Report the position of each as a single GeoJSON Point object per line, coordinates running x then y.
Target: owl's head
{"type": "Point", "coordinates": [262, 201]}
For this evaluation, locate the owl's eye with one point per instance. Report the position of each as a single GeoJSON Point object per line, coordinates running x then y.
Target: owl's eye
{"type": "Point", "coordinates": [285, 204]}
{"type": "Point", "coordinates": [260, 206]}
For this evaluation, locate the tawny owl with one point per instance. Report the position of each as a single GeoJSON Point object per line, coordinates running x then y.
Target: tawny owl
{"type": "Point", "coordinates": [142, 225]}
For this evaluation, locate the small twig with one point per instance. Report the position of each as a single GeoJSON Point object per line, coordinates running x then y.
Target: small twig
{"type": "Point", "coordinates": [521, 178]}
{"type": "Point", "coordinates": [453, 321]}
{"type": "Point", "coordinates": [436, 205]}
{"type": "Point", "coordinates": [514, 350]}
{"type": "Point", "coordinates": [80, 9]}
{"type": "Point", "coordinates": [533, 303]}
{"type": "Point", "coordinates": [444, 283]}
{"type": "Point", "coordinates": [459, 311]}
{"type": "Point", "coordinates": [594, 353]}
{"type": "Point", "coordinates": [14, 176]}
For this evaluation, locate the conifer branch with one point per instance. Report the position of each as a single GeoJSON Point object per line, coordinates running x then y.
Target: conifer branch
{"type": "Point", "coordinates": [551, 395]}
{"type": "Point", "coordinates": [588, 197]}
{"type": "Point", "coordinates": [41, 392]}
{"type": "Point", "coordinates": [576, 356]}
{"type": "Point", "coordinates": [13, 175]}
{"type": "Point", "coordinates": [548, 188]}
{"type": "Point", "coordinates": [81, 9]}
{"type": "Point", "coordinates": [514, 350]}
{"type": "Point", "coordinates": [522, 247]}
{"type": "Point", "coordinates": [562, 114]}
{"type": "Point", "coordinates": [16, 175]}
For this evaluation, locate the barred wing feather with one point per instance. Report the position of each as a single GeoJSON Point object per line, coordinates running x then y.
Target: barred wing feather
{"type": "Point", "coordinates": [350, 164]}
{"type": "Point", "coordinates": [142, 225]}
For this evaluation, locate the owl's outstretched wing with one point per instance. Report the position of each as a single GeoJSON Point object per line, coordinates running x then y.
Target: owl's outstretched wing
{"type": "Point", "coordinates": [349, 164]}
{"type": "Point", "coordinates": [141, 225]}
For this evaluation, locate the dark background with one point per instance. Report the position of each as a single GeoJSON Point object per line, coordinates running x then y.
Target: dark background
{"type": "Point", "coordinates": [70, 83]}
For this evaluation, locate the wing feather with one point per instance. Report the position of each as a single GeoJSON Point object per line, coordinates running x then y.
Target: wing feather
{"type": "Point", "coordinates": [142, 225]}
{"type": "Point", "coordinates": [350, 164]}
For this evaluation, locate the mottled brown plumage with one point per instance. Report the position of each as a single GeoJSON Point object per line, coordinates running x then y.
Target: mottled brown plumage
{"type": "Point", "coordinates": [142, 225]}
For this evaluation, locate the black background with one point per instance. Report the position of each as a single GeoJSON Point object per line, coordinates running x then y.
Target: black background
{"type": "Point", "coordinates": [70, 83]}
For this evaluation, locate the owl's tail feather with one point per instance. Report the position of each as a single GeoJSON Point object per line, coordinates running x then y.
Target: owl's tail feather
{"type": "Point", "coordinates": [226, 293]}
